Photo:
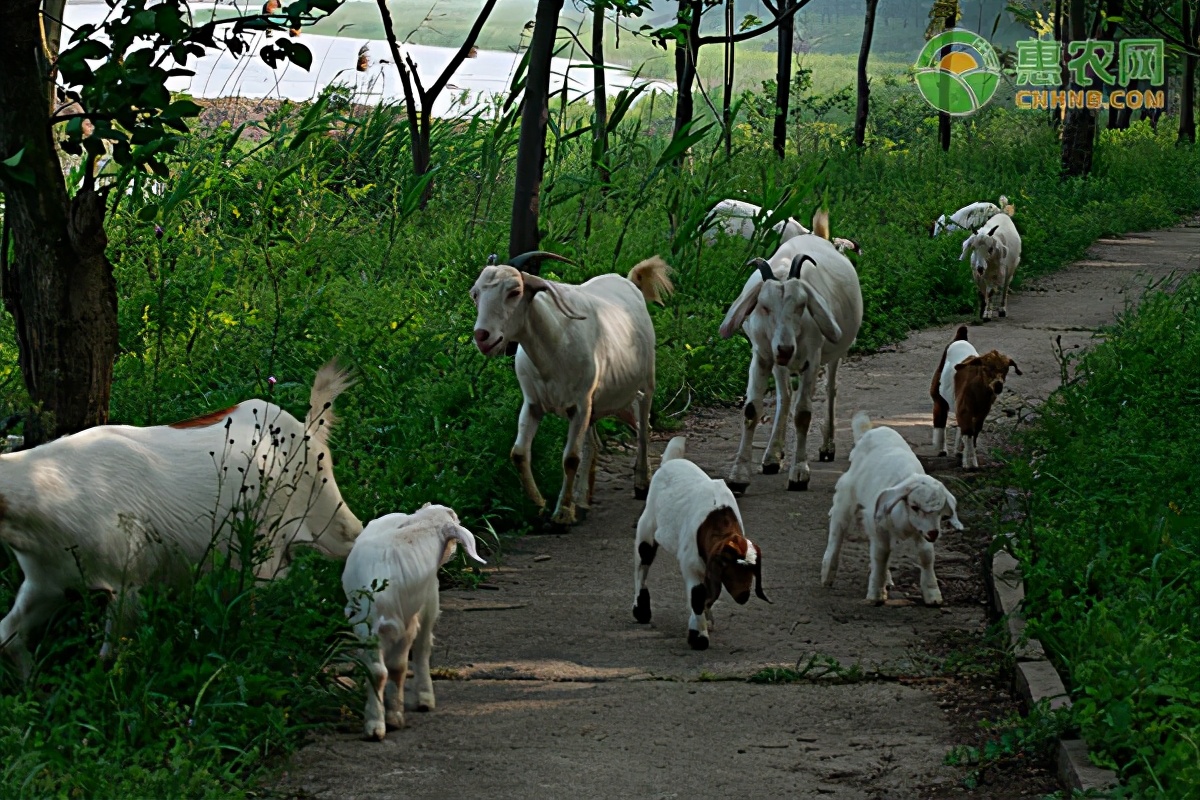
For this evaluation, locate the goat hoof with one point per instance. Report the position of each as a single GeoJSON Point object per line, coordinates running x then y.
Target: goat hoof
{"type": "Point", "coordinates": [696, 641]}
{"type": "Point", "coordinates": [798, 486]}
{"type": "Point", "coordinates": [1002, 313]}
{"type": "Point", "coordinates": [770, 469]}
{"type": "Point", "coordinates": [825, 455]}
{"type": "Point", "coordinates": [639, 493]}
{"type": "Point", "coordinates": [374, 732]}
{"type": "Point", "coordinates": [737, 487]}
{"type": "Point", "coordinates": [641, 611]}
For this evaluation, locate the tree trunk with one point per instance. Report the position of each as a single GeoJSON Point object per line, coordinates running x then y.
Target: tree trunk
{"type": "Point", "coordinates": [943, 117]}
{"type": "Point", "coordinates": [531, 146]}
{"type": "Point", "coordinates": [58, 285]}
{"type": "Point", "coordinates": [1188, 27]}
{"type": "Point", "coordinates": [600, 97]}
{"type": "Point", "coordinates": [1113, 8]}
{"type": "Point", "coordinates": [685, 63]}
{"type": "Point", "coordinates": [1079, 127]}
{"type": "Point", "coordinates": [1056, 113]}
{"type": "Point", "coordinates": [727, 97]}
{"type": "Point", "coordinates": [783, 82]}
{"type": "Point", "coordinates": [864, 91]}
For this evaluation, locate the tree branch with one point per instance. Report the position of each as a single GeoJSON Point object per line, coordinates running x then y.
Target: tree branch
{"type": "Point", "coordinates": [748, 35]}
{"type": "Point", "coordinates": [464, 51]}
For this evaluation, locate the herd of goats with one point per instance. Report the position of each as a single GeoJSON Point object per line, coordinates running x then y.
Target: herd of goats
{"type": "Point", "coordinates": [117, 507]}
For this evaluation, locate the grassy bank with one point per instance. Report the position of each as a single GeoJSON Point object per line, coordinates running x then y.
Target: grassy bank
{"type": "Point", "coordinates": [1111, 541]}
{"type": "Point", "coordinates": [261, 257]}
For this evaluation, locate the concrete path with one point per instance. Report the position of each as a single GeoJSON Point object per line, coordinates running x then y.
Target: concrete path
{"type": "Point", "coordinates": [562, 694]}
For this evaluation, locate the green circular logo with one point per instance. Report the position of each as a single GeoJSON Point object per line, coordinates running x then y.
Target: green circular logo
{"type": "Point", "coordinates": [958, 72]}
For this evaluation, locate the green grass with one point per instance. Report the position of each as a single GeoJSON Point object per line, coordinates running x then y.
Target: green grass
{"type": "Point", "coordinates": [308, 243]}
{"type": "Point", "coordinates": [1112, 542]}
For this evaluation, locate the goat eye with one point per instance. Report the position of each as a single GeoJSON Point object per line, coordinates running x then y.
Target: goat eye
{"type": "Point", "coordinates": [763, 310]}
{"type": "Point", "coordinates": [916, 508]}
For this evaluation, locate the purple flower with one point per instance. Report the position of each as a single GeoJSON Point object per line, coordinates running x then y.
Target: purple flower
{"type": "Point", "coordinates": [271, 380]}
{"type": "Point", "coordinates": [158, 232]}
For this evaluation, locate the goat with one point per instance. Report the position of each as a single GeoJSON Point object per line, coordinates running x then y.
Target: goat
{"type": "Point", "coordinates": [736, 218]}
{"type": "Point", "coordinates": [969, 383]}
{"type": "Point", "coordinates": [114, 507]}
{"type": "Point", "coordinates": [888, 494]}
{"type": "Point", "coordinates": [796, 323]}
{"type": "Point", "coordinates": [698, 520]}
{"type": "Point", "coordinates": [970, 217]}
{"type": "Point", "coordinates": [586, 352]}
{"type": "Point", "coordinates": [994, 259]}
{"type": "Point", "coordinates": [391, 586]}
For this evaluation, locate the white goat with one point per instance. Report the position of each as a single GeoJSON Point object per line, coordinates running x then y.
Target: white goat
{"type": "Point", "coordinates": [587, 352]}
{"type": "Point", "coordinates": [887, 493]}
{"type": "Point", "coordinates": [391, 587]}
{"type": "Point", "coordinates": [736, 218]}
{"type": "Point", "coordinates": [115, 507]}
{"type": "Point", "coordinates": [697, 519]}
{"type": "Point", "coordinates": [971, 216]}
{"type": "Point", "coordinates": [995, 253]}
{"type": "Point", "coordinates": [802, 321]}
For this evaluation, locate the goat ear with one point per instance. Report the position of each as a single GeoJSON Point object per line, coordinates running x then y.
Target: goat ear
{"type": "Point", "coordinates": [535, 284]}
{"type": "Point", "coordinates": [973, 361]}
{"type": "Point", "coordinates": [888, 499]}
{"type": "Point", "coordinates": [820, 312]}
{"type": "Point", "coordinates": [970, 240]}
{"type": "Point", "coordinates": [740, 309]}
{"type": "Point", "coordinates": [1014, 366]}
{"type": "Point", "coordinates": [712, 578]}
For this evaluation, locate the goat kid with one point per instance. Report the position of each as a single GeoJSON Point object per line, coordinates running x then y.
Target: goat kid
{"type": "Point", "coordinates": [697, 519]}
{"type": "Point", "coordinates": [115, 507]}
{"type": "Point", "coordinates": [586, 352]}
{"type": "Point", "coordinates": [887, 493]}
{"type": "Point", "coordinates": [736, 218]}
{"type": "Point", "coordinates": [969, 383]}
{"type": "Point", "coordinates": [797, 318]}
{"type": "Point", "coordinates": [995, 253]}
{"type": "Point", "coordinates": [391, 586]}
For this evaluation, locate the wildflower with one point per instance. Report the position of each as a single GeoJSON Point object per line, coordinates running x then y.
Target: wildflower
{"type": "Point", "coordinates": [271, 380]}
{"type": "Point", "coordinates": [158, 232]}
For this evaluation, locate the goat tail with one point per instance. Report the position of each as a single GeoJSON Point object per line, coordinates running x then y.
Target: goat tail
{"type": "Point", "coordinates": [860, 425]}
{"type": "Point", "coordinates": [457, 533]}
{"type": "Point", "coordinates": [652, 276]}
{"type": "Point", "coordinates": [676, 448]}
{"type": "Point", "coordinates": [821, 224]}
{"type": "Point", "coordinates": [960, 335]}
{"type": "Point", "coordinates": [330, 382]}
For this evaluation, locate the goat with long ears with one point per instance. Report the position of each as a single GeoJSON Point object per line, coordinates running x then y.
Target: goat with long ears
{"type": "Point", "coordinates": [585, 352]}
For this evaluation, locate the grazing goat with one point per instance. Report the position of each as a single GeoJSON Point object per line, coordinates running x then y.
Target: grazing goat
{"type": "Point", "coordinates": [115, 507]}
{"type": "Point", "coordinates": [697, 519]}
{"type": "Point", "coordinates": [971, 216]}
{"type": "Point", "coordinates": [969, 383]}
{"type": "Point", "coordinates": [995, 255]}
{"type": "Point", "coordinates": [796, 321]}
{"type": "Point", "coordinates": [586, 352]}
{"type": "Point", "coordinates": [391, 585]}
{"type": "Point", "coordinates": [888, 494]}
{"type": "Point", "coordinates": [736, 218]}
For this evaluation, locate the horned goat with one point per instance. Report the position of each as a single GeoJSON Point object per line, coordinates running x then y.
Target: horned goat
{"type": "Point", "coordinates": [586, 352]}
{"type": "Point", "coordinates": [995, 253]}
{"type": "Point", "coordinates": [736, 218]}
{"type": "Point", "coordinates": [797, 318]}
{"type": "Point", "coordinates": [971, 216]}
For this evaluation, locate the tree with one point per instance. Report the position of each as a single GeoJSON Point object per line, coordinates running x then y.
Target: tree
{"type": "Point", "coordinates": [943, 16]}
{"type": "Point", "coordinates": [599, 95]}
{"type": "Point", "coordinates": [864, 91]}
{"type": "Point", "coordinates": [57, 281]}
{"type": "Point", "coordinates": [523, 235]}
{"type": "Point", "coordinates": [1181, 30]}
{"type": "Point", "coordinates": [1079, 124]}
{"type": "Point", "coordinates": [419, 116]}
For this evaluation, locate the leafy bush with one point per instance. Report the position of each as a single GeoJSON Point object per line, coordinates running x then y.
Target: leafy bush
{"type": "Point", "coordinates": [1112, 542]}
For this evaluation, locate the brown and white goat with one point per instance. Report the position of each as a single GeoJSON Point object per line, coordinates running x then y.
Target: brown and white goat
{"type": "Point", "coordinates": [697, 519]}
{"type": "Point", "coordinates": [969, 383]}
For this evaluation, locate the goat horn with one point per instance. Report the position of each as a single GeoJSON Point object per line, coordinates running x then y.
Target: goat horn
{"type": "Point", "coordinates": [764, 268]}
{"type": "Point", "coordinates": [541, 255]}
{"type": "Point", "coordinates": [492, 260]}
{"type": "Point", "coordinates": [797, 263]}
{"type": "Point", "coordinates": [758, 592]}
{"type": "Point", "coordinates": [993, 230]}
